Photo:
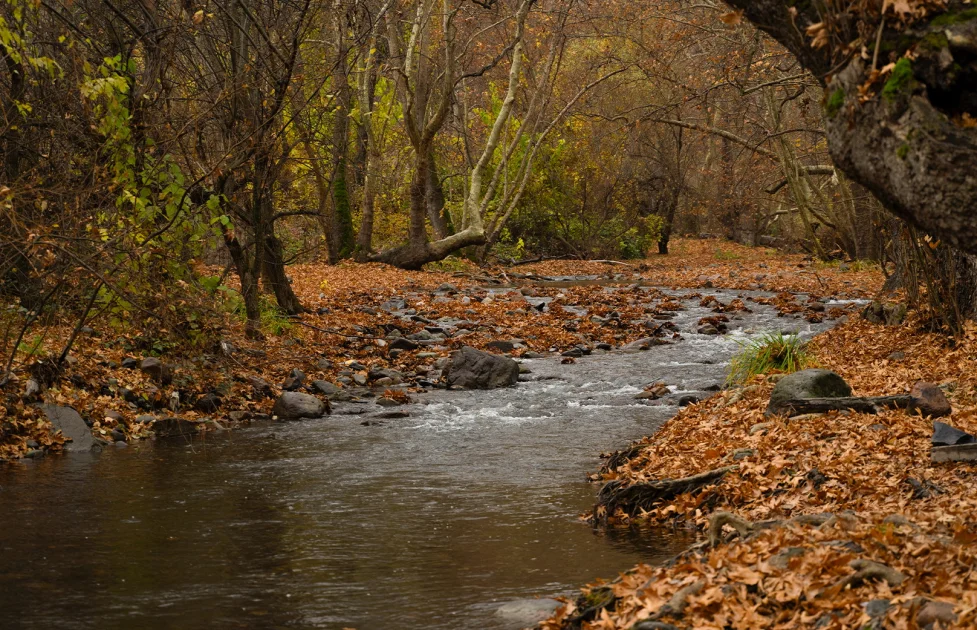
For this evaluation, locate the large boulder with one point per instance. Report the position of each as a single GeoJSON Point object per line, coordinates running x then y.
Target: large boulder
{"type": "Point", "coordinates": [928, 400]}
{"type": "Point", "coordinates": [523, 613]}
{"type": "Point", "coordinates": [812, 383]}
{"type": "Point", "coordinates": [474, 369]}
{"type": "Point", "coordinates": [296, 405]}
{"type": "Point", "coordinates": [72, 427]}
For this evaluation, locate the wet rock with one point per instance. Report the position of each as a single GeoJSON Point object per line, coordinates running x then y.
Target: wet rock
{"type": "Point", "coordinates": [813, 383]}
{"type": "Point", "coordinates": [573, 353]}
{"type": "Point", "coordinates": [392, 415]}
{"type": "Point", "coordinates": [239, 415]}
{"type": "Point", "coordinates": [324, 364]}
{"type": "Point", "coordinates": [890, 313]}
{"type": "Point", "coordinates": [653, 391]}
{"type": "Point", "coordinates": [447, 288]}
{"type": "Point", "coordinates": [390, 402]}
{"type": "Point", "coordinates": [688, 399]}
{"type": "Point", "coordinates": [294, 381]}
{"type": "Point", "coordinates": [296, 405]}
{"type": "Point", "coordinates": [113, 415]}
{"type": "Point", "coordinates": [523, 613]}
{"type": "Point", "coordinates": [208, 403]}
{"type": "Point", "coordinates": [118, 435]}
{"type": "Point", "coordinates": [936, 614]}
{"type": "Point", "coordinates": [472, 369]}
{"type": "Point", "coordinates": [707, 329]}
{"type": "Point", "coordinates": [145, 418]}
{"type": "Point", "coordinates": [603, 346]}
{"type": "Point", "coordinates": [174, 427]}
{"type": "Point", "coordinates": [69, 422]}
{"type": "Point", "coordinates": [928, 400]}
{"type": "Point", "coordinates": [532, 355]}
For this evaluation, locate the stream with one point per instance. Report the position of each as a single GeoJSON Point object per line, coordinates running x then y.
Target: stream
{"type": "Point", "coordinates": [431, 521]}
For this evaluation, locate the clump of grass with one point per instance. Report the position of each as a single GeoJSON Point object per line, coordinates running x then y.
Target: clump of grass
{"type": "Point", "coordinates": [773, 352]}
{"type": "Point", "coordinates": [726, 254]}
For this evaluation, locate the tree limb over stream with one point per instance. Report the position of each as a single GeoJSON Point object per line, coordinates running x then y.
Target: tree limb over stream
{"type": "Point", "coordinates": [909, 141]}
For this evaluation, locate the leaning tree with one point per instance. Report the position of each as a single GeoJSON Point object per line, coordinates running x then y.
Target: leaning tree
{"type": "Point", "coordinates": [900, 79]}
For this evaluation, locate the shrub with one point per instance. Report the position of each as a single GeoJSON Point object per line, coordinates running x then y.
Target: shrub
{"type": "Point", "coordinates": [769, 353]}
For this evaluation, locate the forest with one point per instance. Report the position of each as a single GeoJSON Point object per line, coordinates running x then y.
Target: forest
{"type": "Point", "coordinates": [228, 214]}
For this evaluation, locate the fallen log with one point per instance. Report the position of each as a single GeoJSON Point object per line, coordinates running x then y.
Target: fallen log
{"type": "Point", "coordinates": [862, 404]}
{"type": "Point", "coordinates": [644, 496]}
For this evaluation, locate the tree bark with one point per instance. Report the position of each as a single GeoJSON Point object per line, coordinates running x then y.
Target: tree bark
{"type": "Point", "coordinates": [906, 145]}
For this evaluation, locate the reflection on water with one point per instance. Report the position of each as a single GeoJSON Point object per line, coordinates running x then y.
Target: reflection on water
{"type": "Point", "coordinates": [424, 522]}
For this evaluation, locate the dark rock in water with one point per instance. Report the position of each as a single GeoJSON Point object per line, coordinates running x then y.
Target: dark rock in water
{"type": "Point", "coordinates": [812, 383]}
{"type": "Point", "coordinates": [532, 355]}
{"type": "Point", "coordinates": [928, 400]}
{"type": "Point", "coordinates": [239, 415]}
{"type": "Point", "coordinates": [603, 346]}
{"type": "Point", "coordinates": [688, 399]}
{"type": "Point", "coordinates": [208, 403]}
{"type": "Point", "coordinates": [295, 380]}
{"type": "Point", "coordinates": [325, 388]}
{"type": "Point", "coordinates": [145, 418]}
{"type": "Point", "coordinates": [501, 346]}
{"type": "Point", "coordinates": [69, 422]}
{"type": "Point", "coordinates": [472, 369]}
{"type": "Point", "coordinates": [573, 353]}
{"type": "Point", "coordinates": [359, 379]}
{"type": "Point", "coordinates": [388, 402]}
{"type": "Point", "coordinates": [402, 343]}
{"type": "Point", "coordinates": [118, 436]}
{"type": "Point", "coordinates": [524, 613]}
{"type": "Point", "coordinates": [399, 413]}
{"type": "Point", "coordinates": [174, 427]}
{"type": "Point", "coordinates": [945, 435]}
{"type": "Point", "coordinates": [261, 387]}
{"type": "Point", "coordinates": [653, 625]}
{"type": "Point", "coordinates": [890, 313]}
{"type": "Point", "coordinates": [296, 405]}
{"type": "Point", "coordinates": [707, 329]}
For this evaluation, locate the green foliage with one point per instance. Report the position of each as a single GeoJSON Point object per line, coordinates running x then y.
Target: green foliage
{"type": "Point", "coordinates": [903, 151]}
{"type": "Point", "coordinates": [451, 264]}
{"type": "Point", "coordinates": [635, 244]}
{"type": "Point", "coordinates": [771, 352]}
{"type": "Point", "coordinates": [726, 254]}
{"type": "Point", "coordinates": [835, 102]}
{"type": "Point", "coordinates": [900, 81]}
{"type": "Point", "coordinates": [955, 17]}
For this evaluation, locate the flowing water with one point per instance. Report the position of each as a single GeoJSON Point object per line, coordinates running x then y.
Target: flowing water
{"type": "Point", "coordinates": [429, 521]}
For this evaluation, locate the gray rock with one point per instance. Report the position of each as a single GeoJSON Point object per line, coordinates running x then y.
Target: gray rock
{"type": "Point", "coordinates": [296, 405]}
{"type": "Point", "coordinates": [394, 304]}
{"type": "Point", "coordinates": [936, 614]}
{"type": "Point", "coordinates": [325, 388]}
{"type": "Point", "coordinates": [69, 422]}
{"type": "Point", "coordinates": [261, 387]}
{"type": "Point", "coordinates": [929, 400]}
{"type": "Point", "coordinates": [359, 379]}
{"type": "Point", "coordinates": [877, 607]}
{"type": "Point", "coordinates": [781, 560]}
{"type": "Point", "coordinates": [945, 435]}
{"type": "Point", "coordinates": [501, 346]}
{"type": "Point", "coordinates": [743, 453]}
{"type": "Point", "coordinates": [402, 343]}
{"type": "Point", "coordinates": [156, 370]}
{"type": "Point", "coordinates": [472, 369]}
{"type": "Point", "coordinates": [523, 613]}
{"type": "Point", "coordinates": [324, 364]}
{"type": "Point", "coordinates": [890, 314]}
{"type": "Point", "coordinates": [129, 363]}
{"type": "Point", "coordinates": [653, 625]}
{"type": "Point", "coordinates": [295, 380]}
{"type": "Point", "coordinates": [898, 355]}
{"type": "Point", "coordinates": [814, 383]}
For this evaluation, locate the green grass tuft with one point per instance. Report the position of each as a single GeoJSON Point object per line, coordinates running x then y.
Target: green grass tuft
{"type": "Point", "coordinates": [773, 352]}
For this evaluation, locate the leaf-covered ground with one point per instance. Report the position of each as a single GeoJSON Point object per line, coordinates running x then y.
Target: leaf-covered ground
{"type": "Point", "coordinates": [345, 332]}
{"type": "Point", "coordinates": [868, 476]}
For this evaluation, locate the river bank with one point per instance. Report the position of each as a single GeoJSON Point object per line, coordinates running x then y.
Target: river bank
{"type": "Point", "coordinates": [893, 542]}
{"type": "Point", "coordinates": [370, 329]}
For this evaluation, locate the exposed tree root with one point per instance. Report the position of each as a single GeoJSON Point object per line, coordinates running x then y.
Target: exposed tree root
{"type": "Point", "coordinates": [866, 404]}
{"type": "Point", "coordinates": [615, 494]}
{"type": "Point", "coordinates": [865, 570]}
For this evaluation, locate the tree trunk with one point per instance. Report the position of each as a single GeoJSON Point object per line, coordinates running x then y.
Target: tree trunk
{"type": "Point", "coordinates": [274, 274]}
{"type": "Point", "coordinates": [903, 140]}
{"type": "Point", "coordinates": [435, 200]}
{"type": "Point", "coordinates": [248, 275]}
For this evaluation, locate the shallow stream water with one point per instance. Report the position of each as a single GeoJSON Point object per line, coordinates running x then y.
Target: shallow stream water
{"type": "Point", "coordinates": [430, 521]}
